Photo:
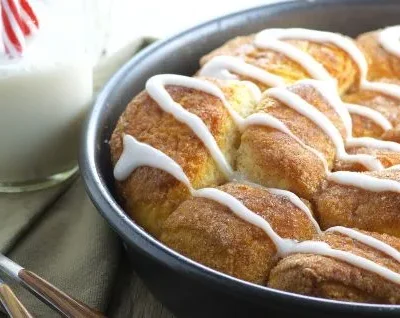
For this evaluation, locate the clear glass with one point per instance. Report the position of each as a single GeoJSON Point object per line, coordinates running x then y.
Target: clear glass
{"type": "Point", "coordinates": [45, 95]}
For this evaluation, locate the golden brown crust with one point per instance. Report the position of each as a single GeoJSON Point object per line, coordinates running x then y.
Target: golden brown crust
{"type": "Point", "coordinates": [354, 207]}
{"type": "Point", "coordinates": [388, 106]}
{"type": "Point", "coordinates": [381, 64]}
{"type": "Point", "coordinates": [335, 60]}
{"type": "Point", "coordinates": [326, 277]}
{"type": "Point", "coordinates": [211, 234]}
{"type": "Point", "coordinates": [274, 159]}
{"type": "Point", "coordinates": [386, 157]}
{"type": "Point", "coordinates": [365, 127]}
{"type": "Point", "coordinates": [150, 195]}
{"type": "Point", "coordinates": [392, 134]}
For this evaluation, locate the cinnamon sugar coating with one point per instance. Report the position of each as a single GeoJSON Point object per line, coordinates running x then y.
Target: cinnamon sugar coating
{"type": "Point", "coordinates": [355, 207]}
{"type": "Point", "coordinates": [386, 157]}
{"type": "Point", "coordinates": [388, 106]}
{"type": "Point", "coordinates": [381, 64]}
{"type": "Point", "coordinates": [274, 159]}
{"type": "Point", "coordinates": [211, 234]}
{"type": "Point", "coordinates": [149, 195]}
{"type": "Point", "coordinates": [321, 276]}
{"type": "Point", "coordinates": [335, 60]}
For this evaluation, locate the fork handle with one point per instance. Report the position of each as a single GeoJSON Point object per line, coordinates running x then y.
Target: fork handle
{"type": "Point", "coordinates": [57, 299]}
{"type": "Point", "coordinates": [11, 303]}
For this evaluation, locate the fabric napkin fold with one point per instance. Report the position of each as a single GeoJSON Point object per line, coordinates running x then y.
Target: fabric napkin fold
{"type": "Point", "coordinates": [18, 211]}
{"type": "Point", "coordinates": [70, 245]}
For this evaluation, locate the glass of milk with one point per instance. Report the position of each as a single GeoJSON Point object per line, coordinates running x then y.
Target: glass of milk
{"type": "Point", "coordinates": [44, 97]}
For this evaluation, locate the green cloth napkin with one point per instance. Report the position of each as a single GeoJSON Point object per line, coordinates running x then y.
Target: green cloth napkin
{"type": "Point", "coordinates": [58, 234]}
{"type": "Point", "coordinates": [67, 243]}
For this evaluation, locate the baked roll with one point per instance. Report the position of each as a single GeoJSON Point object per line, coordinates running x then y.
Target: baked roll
{"type": "Point", "coordinates": [150, 195]}
{"type": "Point", "coordinates": [368, 201]}
{"type": "Point", "coordinates": [373, 114]}
{"type": "Point", "coordinates": [327, 277]}
{"type": "Point", "coordinates": [383, 61]}
{"type": "Point", "coordinates": [276, 159]}
{"type": "Point", "coordinates": [211, 234]}
{"type": "Point", "coordinates": [386, 157]}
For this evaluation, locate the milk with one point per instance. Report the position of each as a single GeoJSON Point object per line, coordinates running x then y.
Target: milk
{"type": "Point", "coordinates": [44, 96]}
{"type": "Point", "coordinates": [41, 112]}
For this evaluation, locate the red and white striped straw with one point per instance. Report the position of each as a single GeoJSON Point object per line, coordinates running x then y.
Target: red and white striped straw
{"type": "Point", "coordinates": [18, 22]}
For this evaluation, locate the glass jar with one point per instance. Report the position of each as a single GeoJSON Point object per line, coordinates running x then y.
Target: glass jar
{"type": "Point", "coordinates": [45, 93]}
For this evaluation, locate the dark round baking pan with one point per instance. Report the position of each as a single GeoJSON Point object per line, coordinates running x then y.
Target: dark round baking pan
{"type": "Point", "coordinates": [187, 288]}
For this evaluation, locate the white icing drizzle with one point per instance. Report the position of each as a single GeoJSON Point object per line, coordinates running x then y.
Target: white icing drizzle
{"type": "Point", "coordinates": [136, 154]}
{"type": "Point", "coordinates": [253, 89]}
{"type": "Point", "coordinates": [296, 201]}
{"type": "Point", "coordinates": [322, 248]}
{"type": "Point", "coordinates": [302, 107]}
{"type": "Point", "coordinates": [389, 39]}
{"type": "Point", "coordinates": [373, 143]}
{"type": "Point", "coordinates": [338, 40]}
{"type": "Point", "coordinates": [155, 87]}
{"type": "Point", "coordinates": [311, 65]}
{"type": "Point", "coordinates": [222, 66]}
{"type": "Point", "coordinates": [364, 181]}
{"type": "Point", "coordinates": [293, 198]}
{"type": "Point", "coordinates": [150, 156]}
{"type": "Point", "coordinates": [395, 167]}
{"type": "Point", "coordinates": [239, 209]}
{"type": "Point", "coordinates": [371, 114]}
{"type": "Point", "coordinates": [298, 104]}
{"type": "Point", "coordinates": [367, 240]}
{"type": "Point", "coordinates": [391, 90]}
{"type": "Point", "coordinates": [328, 90]}
{"type": "Point", "coordinates": [315, 69]}
{"type": "Point", "coordinates": [264, 119]}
